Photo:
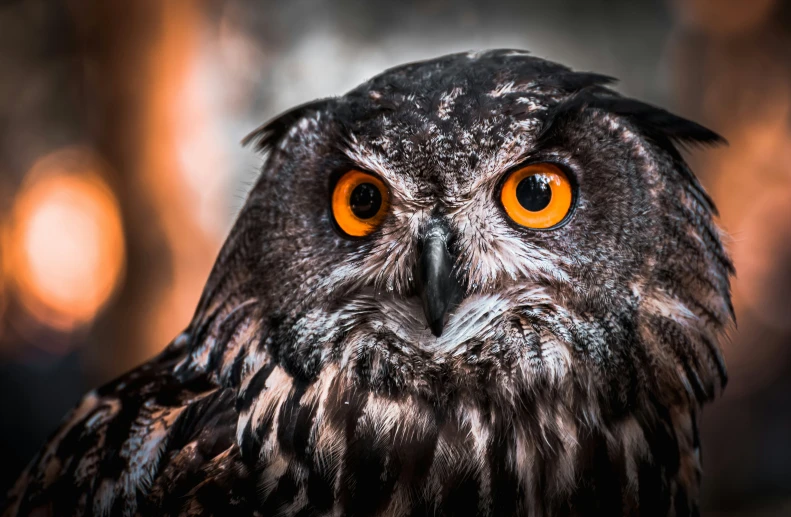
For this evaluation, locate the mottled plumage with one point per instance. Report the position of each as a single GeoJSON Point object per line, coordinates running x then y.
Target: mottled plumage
{"type": "Point", "coordinates": [567, 380]}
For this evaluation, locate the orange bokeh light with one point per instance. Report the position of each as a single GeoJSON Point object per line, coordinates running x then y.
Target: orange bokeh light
{"type": "Point", "coordinates": [66, 242]}
{"type": "Point", "coordinates": [182, 169]}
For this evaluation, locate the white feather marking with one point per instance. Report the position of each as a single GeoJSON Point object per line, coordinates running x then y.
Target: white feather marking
{"type": "Point", "coordinates": [446, 101]}
{"type": "Point", "coordinates": [659, 303]}
{"type": "Point", "coordinates": [144, 446]}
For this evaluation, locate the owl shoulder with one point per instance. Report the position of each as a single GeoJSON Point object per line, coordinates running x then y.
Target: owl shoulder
{"type": "Point", "coordinates": [128, 443]}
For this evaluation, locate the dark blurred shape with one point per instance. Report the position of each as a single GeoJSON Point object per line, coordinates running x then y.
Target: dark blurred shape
{"type": "Point", "coordinates": [155, 97]}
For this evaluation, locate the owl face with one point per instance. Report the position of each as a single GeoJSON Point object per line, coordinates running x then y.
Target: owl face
{"type": "Point", "coordinates": [487, 224]}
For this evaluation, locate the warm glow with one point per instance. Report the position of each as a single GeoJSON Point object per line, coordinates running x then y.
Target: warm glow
{"type": "Point", "coordinates": [67, 243]}
{"type": "Point", "coordinates": [183, 170]}
{"type": "Point", "coordinates": [723, 17]}
{"type": "Point", "coordinates": [738, 84]}
{"type": "Point", "coordinates": [3, 274]}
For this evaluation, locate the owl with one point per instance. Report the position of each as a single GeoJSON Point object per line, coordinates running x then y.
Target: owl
{"type": "Point", "coordinates": [482, 284]}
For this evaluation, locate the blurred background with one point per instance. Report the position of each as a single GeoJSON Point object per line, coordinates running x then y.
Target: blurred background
{"type": "Point", "coordinates": [121, 172]}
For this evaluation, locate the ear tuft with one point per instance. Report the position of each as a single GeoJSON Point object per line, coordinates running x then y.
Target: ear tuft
{"type": "Point", "coordinates": [657, 121]}
{"type": "Point", "coordinates": [267, 135]}
{"type": "Point", "coordinates": [576, 81]}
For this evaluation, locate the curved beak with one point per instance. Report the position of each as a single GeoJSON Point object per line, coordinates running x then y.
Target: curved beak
{"type": "Point", "coordinates": [436, 281]}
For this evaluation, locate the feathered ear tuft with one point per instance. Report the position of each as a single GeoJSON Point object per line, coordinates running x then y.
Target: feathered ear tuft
{"type": "Point", "coordinates": [267, 135]}
{"type": "Point", "coordinates": [657, 121]}
{"type": "Point", "coordinates": [577, 81]}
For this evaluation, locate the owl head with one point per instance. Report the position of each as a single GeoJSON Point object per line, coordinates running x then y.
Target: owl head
{"type": "Point", "coordinates": [488, 225]}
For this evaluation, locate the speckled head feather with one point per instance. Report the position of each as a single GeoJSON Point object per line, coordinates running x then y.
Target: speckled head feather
{"type": "Point", "coordinates": [566, 378]}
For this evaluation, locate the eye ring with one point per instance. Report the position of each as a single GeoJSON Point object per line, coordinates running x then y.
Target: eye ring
{"type": "Point", "coordinates": [360, 202]}
{"type": "Point", "coordinates": [537, 196]}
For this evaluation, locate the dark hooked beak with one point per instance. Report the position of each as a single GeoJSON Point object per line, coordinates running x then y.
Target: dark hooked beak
{"type": "Point", "coordinates": [436, 281]}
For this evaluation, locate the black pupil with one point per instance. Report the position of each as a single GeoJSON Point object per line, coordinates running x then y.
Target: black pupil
{"type": "Point", "coordinates": [366, 200]}
{"type": "Point", "coordinates": [534, 193]}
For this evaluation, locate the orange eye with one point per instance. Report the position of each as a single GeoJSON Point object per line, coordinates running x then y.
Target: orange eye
{"type": "Point", "coordinates": [359, 203]}
{"type": "Point", "coordinates": [537, 196]}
